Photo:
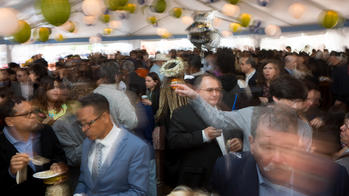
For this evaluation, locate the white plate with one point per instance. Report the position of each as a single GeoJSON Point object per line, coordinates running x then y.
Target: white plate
{"type": "Point", "coordinates": [46, 174]}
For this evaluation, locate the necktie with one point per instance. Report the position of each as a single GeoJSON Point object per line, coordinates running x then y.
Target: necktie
{"type": "Point", "coordinates": [97, 161]}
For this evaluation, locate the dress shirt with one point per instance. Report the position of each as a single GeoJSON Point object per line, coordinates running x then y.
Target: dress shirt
{"type": "Point", "coordinates": [26, 90]}
{"type": "Point", "coordinates": [108, 142]}
{"type": "Point", "coordinates": [249, 76]}
{"type": "Point", "coordinates": [30, 147]}
{"type": "Point", "coordinates": [156, 68]}
{"type": "Point", "coordinates": [267, 188]}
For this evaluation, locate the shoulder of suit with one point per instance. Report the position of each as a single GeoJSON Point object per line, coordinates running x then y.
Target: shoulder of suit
{"type": "Point", "coordinates": [181, 109]}
{"type": "Point", "coordinates": [133, 139]}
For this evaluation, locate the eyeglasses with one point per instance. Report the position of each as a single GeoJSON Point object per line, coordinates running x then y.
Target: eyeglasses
{"type": "Point", "coordinates": [28, 114]}
{"type": "Point", "coordinates": [89, 124]}
{"type": "Point", "coordinates": [211, 90]}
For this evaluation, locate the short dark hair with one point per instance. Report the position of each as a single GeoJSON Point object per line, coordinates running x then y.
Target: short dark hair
{"type": "Point", "coordinates": [199, 79]}
{"type": "Point", "coordinates": [99, 103]}
{"type": "Point", "coordinates": [7, 107]}
{"type": "Point", "coordinates": [108, 71]}
{"type": "Point", "coordinates": [38, 69]}
{"type": "Point", "coordinates": [276, 117]}
{"type": "Point", "coordinates": [195, 61]}
{"type": "Point", "coordinates": [287, 87]}
{"type": "Point", "coordinates": [225, 60]}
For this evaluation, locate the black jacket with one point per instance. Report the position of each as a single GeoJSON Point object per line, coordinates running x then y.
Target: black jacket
{"type": "Point", "coordinates": [195, 159]}
{"type": "Point", "coordinates": [50, 148]}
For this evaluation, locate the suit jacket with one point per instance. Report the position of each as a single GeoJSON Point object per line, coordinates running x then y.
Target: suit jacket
{"type": "Point", "coordinates": [49, 147]}
{"type": "Point", "coordinates": [195, 159]}
{"type": "Point", "coordinates": [238, 176]}
{"type": "Point", "coordinates": [124, 172]}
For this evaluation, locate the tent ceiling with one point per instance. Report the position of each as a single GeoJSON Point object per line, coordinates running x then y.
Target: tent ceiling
{"type": "Point", "coordinates": [275, 13]}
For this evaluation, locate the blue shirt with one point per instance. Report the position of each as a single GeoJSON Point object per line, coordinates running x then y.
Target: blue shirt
{"type": "Point", "coordinates": [30, 147]}
{"type": "Point", "coordinates": [267, 188]}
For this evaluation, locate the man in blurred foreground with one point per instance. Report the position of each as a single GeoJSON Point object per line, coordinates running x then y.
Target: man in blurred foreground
{"type": "Point", "coordinates": [277, 163]}
{"type": "Point", "coordinates": [22, 139]}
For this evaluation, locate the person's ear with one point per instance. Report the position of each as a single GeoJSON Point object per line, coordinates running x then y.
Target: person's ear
{"type": "Point", "coordinates": [252, 144]}
{"type": "Point", "coordinates": [9, 121]}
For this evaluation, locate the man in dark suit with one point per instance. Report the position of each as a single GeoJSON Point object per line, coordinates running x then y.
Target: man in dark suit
{"type": "Point", "coordinates": [24, 137]}
{"type": "Point", "coordinates": [277, 164]}
{"type": "Point", "coordinates": [23, 87]}
{"type": "Point", "coordinates": [194, 141]}
{"type": "Point", "coordinates": [248, 67]}
{"type": "Point", "coordinates": [114, 161]}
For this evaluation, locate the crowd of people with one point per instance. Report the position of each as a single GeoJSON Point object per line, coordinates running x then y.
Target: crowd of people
{"type": "Point", "coordinates": [228, 122]}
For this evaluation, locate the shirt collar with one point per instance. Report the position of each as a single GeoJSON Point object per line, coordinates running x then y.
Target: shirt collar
{"type": "Point", "coordinates": [108, 139]}
{"type": "Point", "coordinates": [13, 140]}
{"type": "Point", "coordinates": [251, 74]}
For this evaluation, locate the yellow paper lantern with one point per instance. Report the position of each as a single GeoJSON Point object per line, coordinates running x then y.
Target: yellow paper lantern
{"type": "Point", "coordinates": [44, 34]}
{"type": "Point", "coordinates": [59, 38]}
{"type": "Point", "coordinates": [177, 12]}
{"type": "Point", "coordinates": [330, 19]}
{"type": "Point", "coordinates": [245, 19]}
{"type": "Point", "coordinates": [152, 20]}
{"type": "Point", "coordinates": [131, 7]}
{"type": "Point", "coordinates": [24, 32]}
{"type": "Point", "coordinates": [107, 31]}
{"type": "Point", "coordinates": [235, 27]}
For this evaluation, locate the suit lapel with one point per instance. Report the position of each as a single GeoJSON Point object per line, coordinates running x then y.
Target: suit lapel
{"type": "Point", "coordinates": [84, 165]}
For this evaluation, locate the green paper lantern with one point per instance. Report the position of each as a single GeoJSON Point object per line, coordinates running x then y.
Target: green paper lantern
{"type": "Point", "coordinates": [56, 12]}
{"type": "Point", "coordinates": [160, 6]}
{"type": "Point", "coordinates": [245, 19]}
{"type": "Point", "coordinates": [234, 2]}
{"type": "Point", "coordinates": [44, 34]}
{"type": "Point", "coordinates": [116, 4]}
{"type": "Point", "coordinates": [105, 18]}
{"type": "Point", "coordinates": [24, 32]}
{"type": "Point", "coordinates": [330, 19]}
{"type": "Point", "coordinates": [177, 12]}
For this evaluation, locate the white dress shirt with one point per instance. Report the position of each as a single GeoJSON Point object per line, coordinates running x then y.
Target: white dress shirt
{"type": "Point", "coordinates": [108, 142]}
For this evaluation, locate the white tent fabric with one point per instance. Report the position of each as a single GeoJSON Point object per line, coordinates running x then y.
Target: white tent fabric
{"type": "Point", "coordinates": [275, 13]}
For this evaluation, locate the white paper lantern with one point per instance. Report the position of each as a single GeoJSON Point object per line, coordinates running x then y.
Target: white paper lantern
{"type": "Point", "coordinates": [115, 24]}
{"type": "Point", "coordinates": [187, 20]}
{"type": "Point", "coordinates": [272, 30]}
{"type": "Point", "coordinates": [90, 20]}
{"type": "Point", "coordinates": [95, 39]}
{"type": "Point", "coordinates": [227, 33]}
{"type": "Point", "coordinates": [68, 26]}
{"type": "Point", "coordinates": [217, 22]}
{"type": "Point", "coordinates": [93, 7]}
{"type": "Point", "coordinates": [231, 10]}
{"type": "Point", "coordinates": [161, 31]}
{"type": "Point", "coordinates": [8, 21]}
{"type": "Point", "coordinates": [296, 10]}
